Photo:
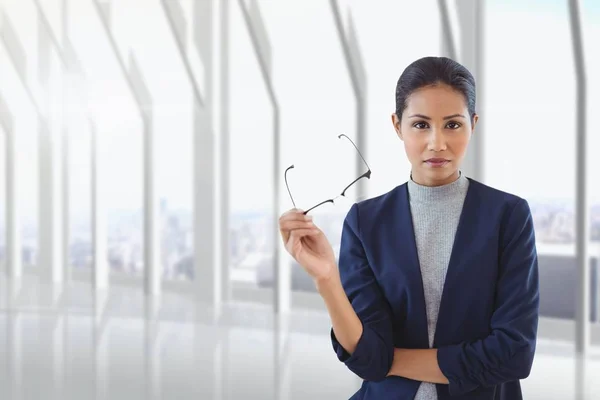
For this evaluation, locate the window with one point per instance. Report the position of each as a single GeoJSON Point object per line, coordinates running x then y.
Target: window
{"type": "Point", "coordinates": [530, 118]}
{"type": "Point", "coordinates": [174, 130]}
{"type": "Point", "coordinates": [530, 132]}
{"type": "Point", "coordinates": [590, 14]}
{"type": "Point", "coordinates": [3, 199]}
{"type": "Point", "coordinates": [119, 130]}
{"type": "Point", "coordinates": [19, 58]}
{"type": "Point", "coordinates": [28, 175]}
{"type": "Point", "coordinates": [124, 194]}
{"type": "Point", "coordinates": [251, 156]}
{"type": "Point", "coordinates": [80, 201]}
{"type": "Point", "coordinates": [591, 29]}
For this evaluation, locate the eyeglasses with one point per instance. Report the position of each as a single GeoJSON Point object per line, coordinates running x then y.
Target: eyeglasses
{"type": "Point", "coordinates": [365, 175]}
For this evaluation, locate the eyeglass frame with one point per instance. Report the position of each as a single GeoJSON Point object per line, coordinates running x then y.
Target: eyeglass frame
{"type": "Point", "coordinates": [343, 194]}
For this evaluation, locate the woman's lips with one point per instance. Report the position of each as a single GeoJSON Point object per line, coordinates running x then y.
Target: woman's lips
{"type": "Point", "coordinates": [437, 162]}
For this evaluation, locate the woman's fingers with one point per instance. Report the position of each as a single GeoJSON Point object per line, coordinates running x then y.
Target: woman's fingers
{"type": "Point", "coordinates": [296, 228]}
{"type": "Point", "coordinates": [293, 219]}
{"type": "Point", "coordinates": [298, 234]}
{"type": "Point", "coordinates": [289, 225]}
{"type": "Point", "coordinates": [295, 215]}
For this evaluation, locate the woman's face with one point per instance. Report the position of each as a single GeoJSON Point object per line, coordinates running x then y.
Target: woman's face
{"type": "Point", "coordinates": [435, 125]}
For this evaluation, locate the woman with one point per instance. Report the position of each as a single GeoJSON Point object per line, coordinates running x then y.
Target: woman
{"type": "Point", "coordinates": [435, 295]}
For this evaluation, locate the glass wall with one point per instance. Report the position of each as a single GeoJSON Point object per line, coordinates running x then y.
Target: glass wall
{"type": "Point", "coordinates": [80, 190]}
{"type": "Point", "coordinates": [591, 29]}
{"type": "Point", "coordinates": [160, 70]}
{"type": "Point", "coordinates": [2, 200]}
{"type": "Point", "coordinates": [174, 132]}
{"type": "Point", "coordinates": [125, 196]}
{"type": "Point", "coordinates": [530, 133]}
{"type": "Point", "coordinates": [20, 41]}
{"type": "Point", "coordinates": [528, 113]}
{"type": "Point", "coordinates": [251, 155]}
{"type": "Point", "coordinates": [120, 130]}
{"type": "Point", "coordinates": [174, 129]}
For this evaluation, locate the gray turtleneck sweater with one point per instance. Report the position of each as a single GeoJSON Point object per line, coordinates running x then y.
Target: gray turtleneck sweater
{"type": "Point", "coordinates": [435, 212]}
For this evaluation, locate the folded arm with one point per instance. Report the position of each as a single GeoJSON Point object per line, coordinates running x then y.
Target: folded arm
{"type": "Point", "coordinates": [417, 364]}
{"type": "Point", "coordinates": [506, 354]}
{"type": "Point", "coordinates": [362, 330]}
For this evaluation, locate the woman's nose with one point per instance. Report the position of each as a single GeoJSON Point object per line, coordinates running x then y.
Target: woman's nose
{"type": "Point", "coordinates": [437, 141]}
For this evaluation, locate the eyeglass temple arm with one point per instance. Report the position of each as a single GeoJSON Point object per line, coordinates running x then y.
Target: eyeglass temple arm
{"type": "Point", "coordinates": [365, 175]}
{"type": "Point", "coordinates": [287, 186]}
{"type": "Point", "coordinates": [320, 204]}
{"type": "Point", "coordinates": [359, 153]}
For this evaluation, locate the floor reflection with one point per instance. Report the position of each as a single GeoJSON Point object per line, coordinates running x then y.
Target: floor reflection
{"type": "Point", "coordinates": [70, 343]}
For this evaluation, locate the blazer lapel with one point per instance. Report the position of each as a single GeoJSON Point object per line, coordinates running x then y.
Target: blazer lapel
{"type": "Point", "coordinates": [462, 239]}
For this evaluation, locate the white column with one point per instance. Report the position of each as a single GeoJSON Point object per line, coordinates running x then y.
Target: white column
{"type": "Point", "coordinates": [65, 206]}
{"type": "Point", "coordinates": [210, 349]}
{"type": "Point", "coordinates": [68, 84]}
{"type": "Point", "coordinates": [100, 338]}
{"type": "Point", "coordinates": [99, 216]}
{"type": "Point", "coordinates": [14, 335]}
{"type": "Point", "coordinates": [152, 349]}
{"type": "Point", "coordinates": [470, 54]}
{"type": "Point", "coordinates": [262, 49]}
{"type": "Point", "coordinates": [151, 223]}
{"type": "Point", "coordinates": [13, 222]}
{"type": "Point", "coordinates": [152, 264]}
{"type": "Point", "coordinates": [208, 277]}
{"type": "Point", "coordinates": [582, 199]}
{"type": "Point", "coordinates": [448, 40]}
{"type": "Point", "coordinates": [14, 342]}
{"type": "Point", "coordinates": [50, 205]}
{"type": "Point", "coordinates": [50, 171]}
{"type": "Point", "coordinates": [54, 341]}
{"type": "Point", "coordinates": [13, 231]}
{"type": "Point", "coordinates": [282, 374]}
{"type": "Point", "coordinates": [67, 95]}
{"type": "Point", "coordinates": [13, 217]}
{"type": "Point", "coordinates": [221, 118]}
{"type": "Point", "coordinates": [208, 274]}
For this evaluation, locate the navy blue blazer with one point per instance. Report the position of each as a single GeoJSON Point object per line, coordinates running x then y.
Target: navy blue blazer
{"type": "Point", "coordinates": [487, 325]}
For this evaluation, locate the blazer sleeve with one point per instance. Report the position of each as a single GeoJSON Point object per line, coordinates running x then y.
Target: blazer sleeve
{"type": "Point", "coordinates": [507, 353]}
{"type": "Point", "coordinates": [374, 353]}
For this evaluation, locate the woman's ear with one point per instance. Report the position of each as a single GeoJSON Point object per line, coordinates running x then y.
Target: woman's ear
{"type": "Point", "coordinates": [474, 122]}
{"type": "Point", "coordinates": [396, 123]}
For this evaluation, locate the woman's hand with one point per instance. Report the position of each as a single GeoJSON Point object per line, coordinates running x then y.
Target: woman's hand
{"type": "Point", "coordinates": [307, 244]}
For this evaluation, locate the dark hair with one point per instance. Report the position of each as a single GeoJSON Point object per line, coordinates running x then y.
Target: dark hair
{"type": "Point", "coordinates": [432, 71]}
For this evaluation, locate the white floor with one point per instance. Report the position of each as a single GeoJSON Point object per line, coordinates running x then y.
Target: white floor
{"type": "Point", "coordinates": [70, 344]}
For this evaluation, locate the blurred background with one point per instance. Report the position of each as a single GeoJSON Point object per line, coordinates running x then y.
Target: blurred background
{"type": "Point", "coordinates": [143, 145]}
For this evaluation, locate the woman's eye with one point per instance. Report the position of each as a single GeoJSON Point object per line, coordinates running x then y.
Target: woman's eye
{"type": "Point", "coordinates": [453, 125]}
{"type": "Point", "coordinates": [420, 125]}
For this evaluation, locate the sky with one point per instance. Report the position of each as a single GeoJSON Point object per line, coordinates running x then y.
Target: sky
{"type": "Point", "coordinates": [528, 110]}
